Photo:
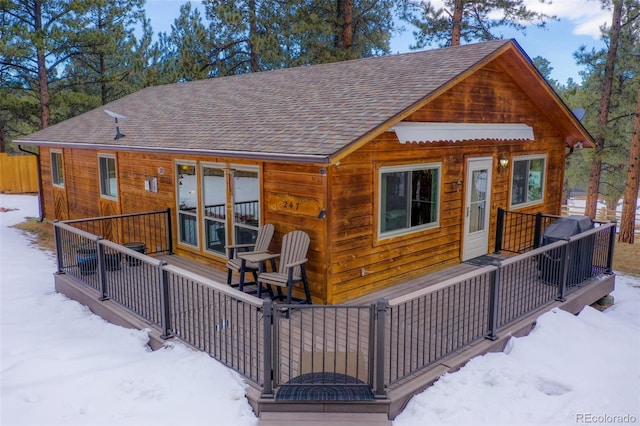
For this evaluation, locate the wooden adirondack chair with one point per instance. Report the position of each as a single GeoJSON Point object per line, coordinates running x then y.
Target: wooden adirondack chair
{"type": "Point", "coordinates": [291, 268]}
{"type": "Point", "coordinates": [234, 264]}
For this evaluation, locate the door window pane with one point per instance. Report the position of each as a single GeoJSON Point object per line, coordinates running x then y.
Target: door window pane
{"type": "Point", "coordinates": [57, 168]}
{"type": "Point", "coordinates": [478, 203]}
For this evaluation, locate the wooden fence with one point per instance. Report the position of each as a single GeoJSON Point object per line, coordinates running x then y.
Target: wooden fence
{"type": "Point", "coordinates": [602, 214]}
{"type": "Point", "coordinates": [18, 173]}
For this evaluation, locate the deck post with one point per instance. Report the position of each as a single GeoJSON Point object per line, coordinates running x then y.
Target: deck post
{"type": "Point", "coordinates": [169, 231]}
{"type": "Point", "coordinates": [537, 231]}
{"type": "Point", "coordinates": [494, 300]}
{"type": "Point", "coordinates": [381, 311]}
{"type": "Point", "coordinates": [499, 230]}
{"type": "Point", "coordinates": [612, 244]}
{"type": "Point", "coordinates": [165, 302]}
{"type": "Point", "coordinates": [564, 270]}
{"type": "Point", "coordinates": [267, 389]}
{"type": "Point", "coordinates": [102, 276]}
{"type": "Point", "coordinates": [58, 243]}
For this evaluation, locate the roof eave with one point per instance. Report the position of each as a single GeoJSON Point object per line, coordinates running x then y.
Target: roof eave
{"type": "Point", "coordinates": [264, 156]}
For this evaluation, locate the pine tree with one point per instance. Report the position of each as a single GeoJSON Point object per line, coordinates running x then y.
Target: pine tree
{"type": "Point", "coordinates": [614, 133]}
{"type": "Point", "coordinates": [37, 37]}
{"type": "Point", "coordinates": [186, 50]}
{"type": "Point", "coordinates": [468, 20]}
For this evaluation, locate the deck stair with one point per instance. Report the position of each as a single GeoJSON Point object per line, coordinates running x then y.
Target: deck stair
{"type": "Point", "coordinates": [271, 418]}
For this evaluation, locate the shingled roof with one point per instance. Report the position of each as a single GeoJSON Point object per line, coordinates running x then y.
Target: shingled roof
{"type": "Point", "coordinates": [311, 112]}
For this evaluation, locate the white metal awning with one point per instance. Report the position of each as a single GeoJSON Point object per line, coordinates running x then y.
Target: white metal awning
{"type": "Point", "coordinates": [417, 132]}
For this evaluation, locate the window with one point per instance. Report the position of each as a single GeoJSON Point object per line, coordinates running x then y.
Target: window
{"type": "Point", "coordinates": [57, 168]}
{"type": "Point", "coordinates": [187, 203]}
{"type": "Point", "coordinates": [527, 184]}
{"type": "Point", "coordinates": [214, 194]}
{"type": "Point", "coordinates": [246, 205]}
{"type": "Point", "coordinates": [108, 176]}
{"type": "Point", "coordinates": [409, 198]}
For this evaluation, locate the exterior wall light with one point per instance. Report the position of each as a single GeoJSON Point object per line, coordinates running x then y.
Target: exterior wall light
{"type": "Point", "coordinates": [503, 162]}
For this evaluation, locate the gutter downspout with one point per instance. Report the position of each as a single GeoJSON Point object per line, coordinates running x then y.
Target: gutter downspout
{"type": "Point", "coordinates": [40, 203]}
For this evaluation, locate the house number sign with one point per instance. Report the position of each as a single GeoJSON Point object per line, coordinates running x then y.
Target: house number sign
{"type": "Point", "coordinates": [291, 204]}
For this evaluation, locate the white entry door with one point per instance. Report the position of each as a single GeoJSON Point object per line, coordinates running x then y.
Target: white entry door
{"type": "Point", "coordinates": [477, 208]}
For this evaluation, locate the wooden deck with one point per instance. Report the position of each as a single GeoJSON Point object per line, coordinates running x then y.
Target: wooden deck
{"type": "Point", "coordinates": [336, 332]}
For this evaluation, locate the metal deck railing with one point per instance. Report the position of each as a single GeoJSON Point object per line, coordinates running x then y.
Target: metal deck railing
{"type": "Point", "coordinates": [379, 344]}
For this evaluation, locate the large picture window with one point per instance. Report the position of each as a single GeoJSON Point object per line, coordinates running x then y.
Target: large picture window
{"type": "Point", "coordinates": [108, 176]}
{"type": "Point", "coordinates": [409, 198]}
{"type": "Point", "coordinates": [57, 168]}
{"type": "Point", "coordinates": [527, 181]}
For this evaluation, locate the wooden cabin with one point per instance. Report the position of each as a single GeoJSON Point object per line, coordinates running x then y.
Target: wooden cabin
{"type": "Point", "coordinates": [395, 165]}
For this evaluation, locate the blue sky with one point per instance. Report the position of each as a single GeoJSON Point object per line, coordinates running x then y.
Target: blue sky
{"type": "Point", "coordinates": [578, 25]}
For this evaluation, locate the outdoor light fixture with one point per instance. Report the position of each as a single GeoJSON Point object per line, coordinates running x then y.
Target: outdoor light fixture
{"type": "Point", "coordinates": [503, 162]}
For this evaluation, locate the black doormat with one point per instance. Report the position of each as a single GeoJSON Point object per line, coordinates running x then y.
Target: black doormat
{"type": "Point", "coordinates": [485, 260]}
{"type": "Point", "coordinates": [324, 387]}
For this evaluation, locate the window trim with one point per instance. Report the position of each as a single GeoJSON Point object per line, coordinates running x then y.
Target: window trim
{"type": "Point", "coordinates": [232, 196]}
{"type": "Point", "coordinates": [410, 230]}
{"type": "Point", "coordinates": [528, 158]}
{"type": "Point", "coordinates": [203, 218]}
{"type": "Point", "coordinates": [181, 242]}
{"type": "Point", "coordinates": [55, 170]}
{"type": "Point", "coordinates": [100, 176]}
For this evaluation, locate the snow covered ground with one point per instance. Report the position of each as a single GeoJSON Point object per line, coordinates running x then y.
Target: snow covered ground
{"type": "Point", "coordinates": [62, 365]}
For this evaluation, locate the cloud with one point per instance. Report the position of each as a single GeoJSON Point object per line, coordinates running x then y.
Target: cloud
{"type": "Point", "coordinates": [585, 17]}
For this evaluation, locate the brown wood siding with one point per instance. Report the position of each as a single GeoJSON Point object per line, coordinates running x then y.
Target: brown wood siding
{"type": "Point", "coordinates": [306, 184]}
{"type": "Point", "coordinates": [80, 196]}
{"type": "Point", "coordinates": [354, 194]}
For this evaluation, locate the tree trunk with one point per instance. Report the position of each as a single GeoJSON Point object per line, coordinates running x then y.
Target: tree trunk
{"type": "Point", "coordinates": [43, 79]}
{"type": "Point", "coordinates": [2, 147]}
{"type": "Point", "coordinates": [345, 24]}
{"type": "Point", "coordinates": [628, 218]}
{"type": "Point", "coordinates": [254, 62]}
{"type": "Point", "coordinates": [102, 68]}
{"type": "Point", "coordinates": [456, 29]}
{"type": "Point", "coordinates": [104, 96]}
{"type": "Point", "coordinates": [603, 115]}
